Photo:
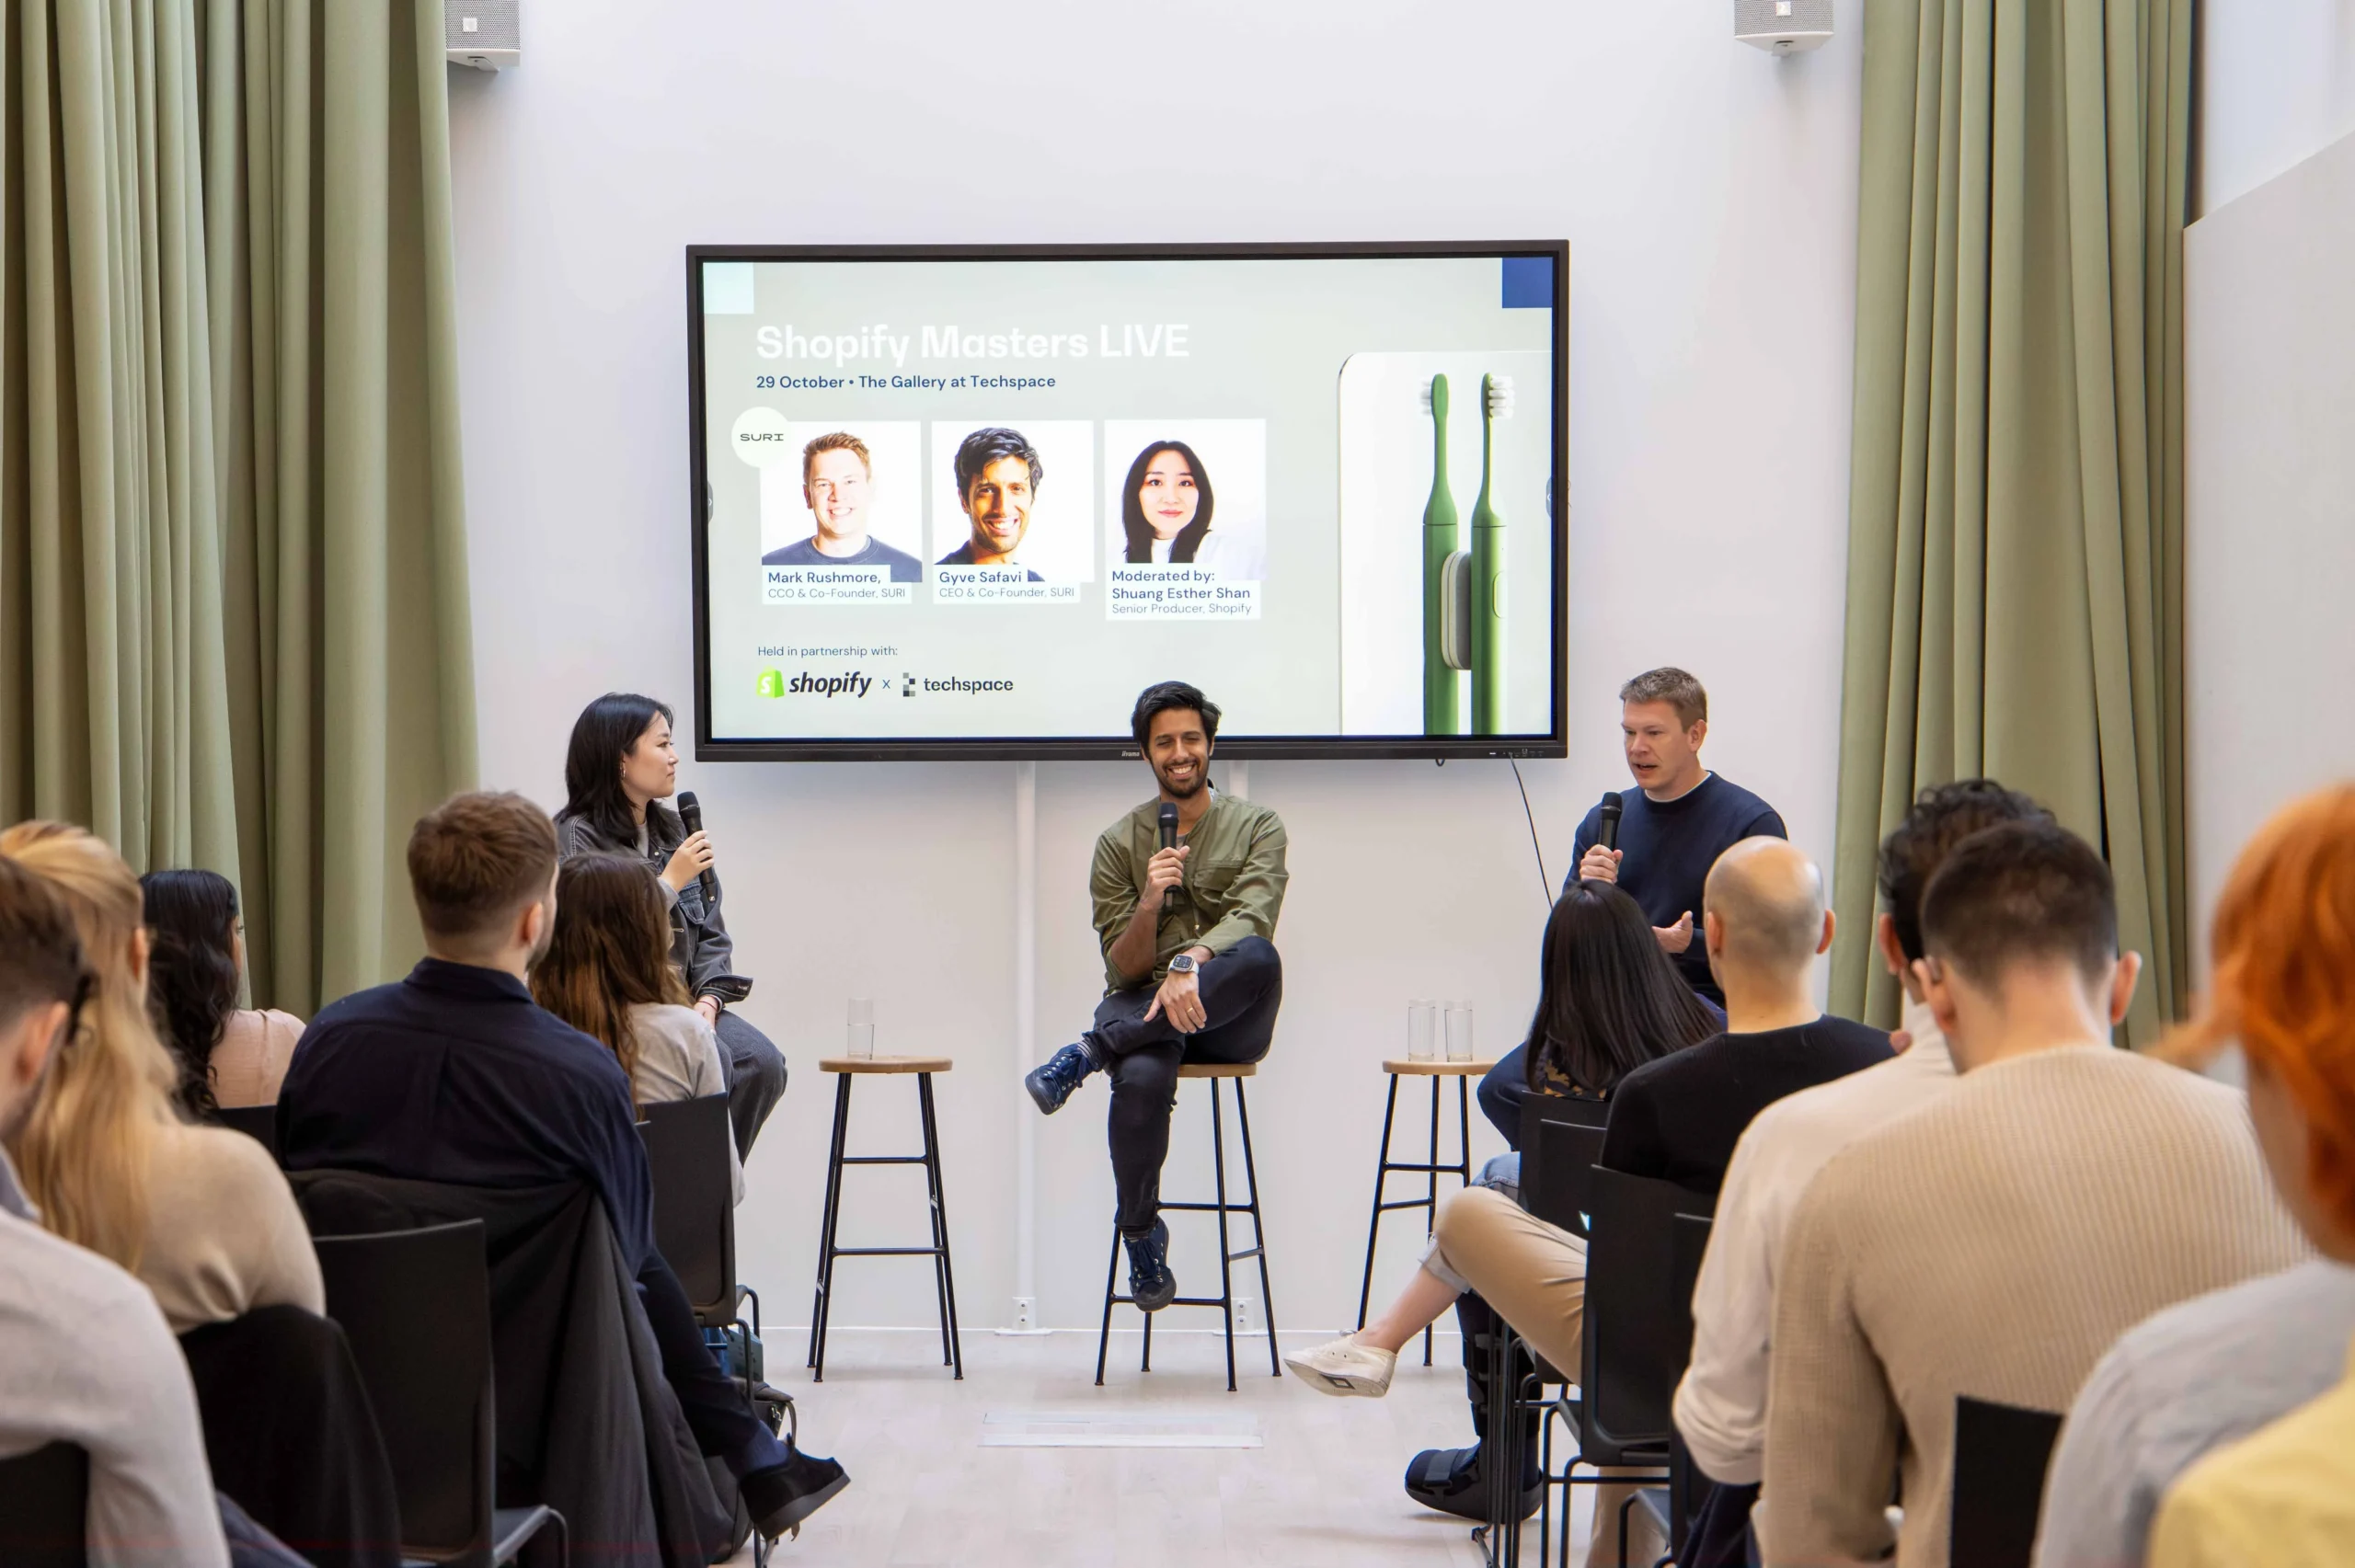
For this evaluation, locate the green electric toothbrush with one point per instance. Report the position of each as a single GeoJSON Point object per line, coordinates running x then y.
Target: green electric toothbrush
{"type": "Point", "coordinates": [1488, 564]}
{"type": "Point", "coordinates": [1439, 547]}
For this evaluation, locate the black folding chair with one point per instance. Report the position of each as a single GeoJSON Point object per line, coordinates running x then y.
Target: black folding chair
{"type": "Point", "coordinates": [2001, 1452]}
{"type": "Point", "coordinates": [694, 1206]}
{"type": "Point", "coordinates": [415, 1306]}
{"type": "Point", "coordinates": [257, 1122]}
{"type": "Point", "coordinates": [1557, 1171]}
{"type": "Point", "coordinates": [44, 1502]}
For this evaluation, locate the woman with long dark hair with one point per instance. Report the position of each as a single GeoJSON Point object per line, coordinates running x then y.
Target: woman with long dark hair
{"type": "Point", "coordinates": [619, 769]}
{"type": "Point", "coordinates": [607, 972]}
{"type": "Point", "coordinates": [1167, 507]}
{"type": "Point", "coordinates": [1608, 1002]}
{"type": "Point", "coordinates": [228, 1055]}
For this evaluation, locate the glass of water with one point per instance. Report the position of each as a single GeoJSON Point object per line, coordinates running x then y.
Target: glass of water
{"type": "Point", "coordinates": [1459, 1030]}
{"type": "Point", "coordinates": [1422, 1027]}
{"type": "Point", "coordinates": [862, 1028]}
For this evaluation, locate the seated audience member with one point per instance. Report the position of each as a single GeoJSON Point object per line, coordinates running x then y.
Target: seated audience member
{"type": "Point", "coordinates": [453, 1075]}
{"type": "Point", "coordinates": [608, 974]}
{"type": "Point", "coordinates": [1997, 1240]}
{"type": "Point", "coordinates": [619, 769]}
{"type": "Point", "coordinates": [1608, 1002]}
{"type": "Point", "coordinates": [1721, 1403]}
{"type": "Point", "coordinates": [85, 1355]}
{"type": "Point", "coordinates": [1677, 1119]}
{"type": "Point", "coordinates": [228, 1055]}
{"type": "Point", "coordinates": [200, 1214]}
{"type": "Point", "coordinates": [2205, 1375]}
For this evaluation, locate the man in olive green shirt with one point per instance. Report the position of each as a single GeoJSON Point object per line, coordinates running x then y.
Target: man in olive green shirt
{"type": "Point", "coordinates": [1190, 973]}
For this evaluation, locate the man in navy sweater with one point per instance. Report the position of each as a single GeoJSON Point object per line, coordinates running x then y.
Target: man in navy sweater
{"type": "Point", "coordinates": [455, 1075]}
{"type": "Point", "coordinates": [1673, 825]}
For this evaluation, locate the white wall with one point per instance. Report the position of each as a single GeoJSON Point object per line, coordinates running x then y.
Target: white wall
{"type": "Point", "coordinates": [1708, 195]}
{"type": "Point", "coordinates": [2276, 84]}
{"type": "Point", "coordinates": [2270, 340]}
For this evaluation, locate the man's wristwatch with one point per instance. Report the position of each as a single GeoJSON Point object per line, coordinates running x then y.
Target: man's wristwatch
{"type": "Point", "coordinates": [1184, 964]}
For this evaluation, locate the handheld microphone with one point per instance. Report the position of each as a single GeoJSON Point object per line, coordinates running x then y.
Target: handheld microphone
{"type": "Point", "coordinates": [1607, 834]}
{"type": "Point", "coordinates": [691, 818]}
{"type": "Point", "coordinates": [1168, 819]}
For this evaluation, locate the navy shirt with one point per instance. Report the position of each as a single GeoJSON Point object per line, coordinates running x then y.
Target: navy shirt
{"type": "Point", "coordinates": [963, 557]}
{"type": "Point", "coordinates": [805, 553]}
{"type": "Point", "coordinates": [456, 1075]}
{"type": "Point", "coordinates": [1666, 850]}
{"type": "Point", "coordinates": [1677, 1118]}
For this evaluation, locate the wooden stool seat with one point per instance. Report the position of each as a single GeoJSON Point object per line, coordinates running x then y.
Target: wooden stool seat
{"type": "Point", "coordinates": [1218, 1070]}
{"type": "Point", "coordinates": [1402, 1066]}
{"type": "Point", "coordinates": [886, 1064]}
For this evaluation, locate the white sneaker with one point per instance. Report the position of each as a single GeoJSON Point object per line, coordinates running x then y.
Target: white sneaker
{"type": "Point", "coordinates": [1343, 1368]}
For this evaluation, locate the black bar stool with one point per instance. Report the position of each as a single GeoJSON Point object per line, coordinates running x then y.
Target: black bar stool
{"type": "Point", "coordinates": [952, 1353]}
{"type": "Point", "coordinates": [1463, 1072]}
{"type": "Point", "coordinates": [1224, 1299]}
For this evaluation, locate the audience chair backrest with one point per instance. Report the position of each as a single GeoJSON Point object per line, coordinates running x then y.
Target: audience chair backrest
{"type": "Point", "coordinates": [44, 1500]}
{"type": "Point", "coordinates": [257, 1122]}
{"type": "Point", "coordinates": [415, 1306]}
{"type": "Point", "coordinates": [2000, 1454]}
{"type": "Point", "coordinates": [1639, 1329]}
{"type": "Point", "coordinates": [1556, 1173]}
{"type": "Point", "coordinates": [695, 1199]}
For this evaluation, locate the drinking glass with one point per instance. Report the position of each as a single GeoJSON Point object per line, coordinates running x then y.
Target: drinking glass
{"type": "Point", "coordinates": [1422, 1019]}
{"type": "Point", "coordinates": [1459, 1030]}
{"type": "Point", "coordinates": [862, 1028]}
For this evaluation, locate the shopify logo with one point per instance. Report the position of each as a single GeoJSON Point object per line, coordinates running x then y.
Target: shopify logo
{"type": "Point", "coordinates": [771, 684]}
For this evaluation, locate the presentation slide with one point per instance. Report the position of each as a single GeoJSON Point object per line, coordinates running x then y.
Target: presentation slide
{"type": "Point", "coordinates": [952, 503]}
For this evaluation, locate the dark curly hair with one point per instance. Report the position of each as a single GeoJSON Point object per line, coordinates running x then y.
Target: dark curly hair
{"type": "Point", "coordinates": [1941, 818]}
{"type": "Point", "coordinates": [1165, 697]}
{"type": "Point", "coordinates": [191, 971]}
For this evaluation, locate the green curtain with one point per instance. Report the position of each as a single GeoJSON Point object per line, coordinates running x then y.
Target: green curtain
{"type": "Point", "coordinates": [2016, 507]}
{"type": "Point", "coordinates": [234, 624]}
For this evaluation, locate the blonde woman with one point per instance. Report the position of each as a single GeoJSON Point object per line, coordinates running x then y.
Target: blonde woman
{"type": "Point", "coordinates": [200, 1214]}
{"type": "Point", "coordinates": [607, 972]}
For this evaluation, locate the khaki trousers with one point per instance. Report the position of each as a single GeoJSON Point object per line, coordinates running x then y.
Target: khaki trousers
{"type": "Point", "coordinates": [1534, 1275]}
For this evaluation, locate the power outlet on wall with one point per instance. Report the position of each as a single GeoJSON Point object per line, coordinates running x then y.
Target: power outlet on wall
{"type": "Point", "coordinates": [1246, 1311]}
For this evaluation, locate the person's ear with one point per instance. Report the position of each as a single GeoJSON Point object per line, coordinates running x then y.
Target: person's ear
{"type": "Point", "coordinates": [1892, 953]}
{"type": "Point", "coordinates": [141, 947]}
{"type": "Point", "coordinates": [1937, 984]}
{"type": "Point", "coordinates": [24, 1048]}
{"type": "Point", "coordinates": [1830, 924]}
{"type": "Point", "coordinates": [1713, 933]}
{"type": "Point", "coordinates": [2121, 985]}
{"type": "Point", "coordinates": [1697, 734]}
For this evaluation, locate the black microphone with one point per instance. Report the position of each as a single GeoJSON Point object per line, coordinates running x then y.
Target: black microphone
{"type": "Point", "coordinates": [691, 817]}
{"type": "Point", "coordinates": [1169, 819]}
{"type": "Point", "coordinates": [1607, 834]}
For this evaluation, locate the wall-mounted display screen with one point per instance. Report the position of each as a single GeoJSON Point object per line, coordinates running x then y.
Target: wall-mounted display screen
{"type": "Point", "coordinates": [956, 502]}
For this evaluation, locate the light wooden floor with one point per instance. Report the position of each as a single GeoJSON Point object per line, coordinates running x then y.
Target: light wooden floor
{"type": "Point", "coordinates": [1323, 1493]}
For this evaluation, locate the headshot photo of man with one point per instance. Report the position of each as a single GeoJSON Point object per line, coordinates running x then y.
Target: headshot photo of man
{"type": "Point", "coordinates": [998, 475]}
{"type": "Point", "coordinates": [838, 486]}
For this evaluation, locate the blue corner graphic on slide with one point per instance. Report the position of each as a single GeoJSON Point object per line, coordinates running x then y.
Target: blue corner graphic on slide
{"type": "Point", "coordinates": [1529, 282]}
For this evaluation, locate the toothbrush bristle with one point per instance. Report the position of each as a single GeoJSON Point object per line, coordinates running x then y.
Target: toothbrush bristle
{"type": "Point", "coordinates": [1425, 393]}
{"type": "Point", "coordinates": [1500, 397]}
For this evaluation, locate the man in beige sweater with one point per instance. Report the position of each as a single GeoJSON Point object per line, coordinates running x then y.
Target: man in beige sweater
{"type": "Point", "coordinates": [1994, 1242]}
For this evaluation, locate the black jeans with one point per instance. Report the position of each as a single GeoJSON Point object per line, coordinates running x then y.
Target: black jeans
{"type": "Point", "coordinates": [755, 1077]}
{"type": "Point", "coordinates": [713, 1402]}
{"type": "Point", "coordinates": [1503, 1088]}
{"type": "Point", "coordinates": [1241, 989]}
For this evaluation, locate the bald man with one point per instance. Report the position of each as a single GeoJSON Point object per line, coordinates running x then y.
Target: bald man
{"type": "Point", "coordinates": [1764, 923]}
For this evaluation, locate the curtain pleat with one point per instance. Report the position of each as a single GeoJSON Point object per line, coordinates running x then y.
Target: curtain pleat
{"type": "Point", "coordinates": [2015, 573]}
{"type": "Point", "coordinates": [233, 598]}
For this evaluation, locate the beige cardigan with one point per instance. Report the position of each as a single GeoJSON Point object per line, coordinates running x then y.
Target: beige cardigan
{"type": "Point", "coordinates": [223, 1235]}
{"type": "Point", "coordinates": [1993, 1243]}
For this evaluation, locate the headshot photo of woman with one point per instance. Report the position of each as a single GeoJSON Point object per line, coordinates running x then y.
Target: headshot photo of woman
{"type": "Point", "coordinates": [1168, 505]}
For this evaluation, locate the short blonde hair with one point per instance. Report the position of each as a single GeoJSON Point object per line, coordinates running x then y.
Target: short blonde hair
{"type": "Point", "coordinates": [1675, 687]}
{"type": "Point", "coordinates": [836, 441]}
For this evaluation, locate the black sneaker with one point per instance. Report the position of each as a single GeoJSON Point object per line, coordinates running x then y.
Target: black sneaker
{"type": "Point", "coordinates": [781, 1496]}
{"type": "Point", "coordinates": [1150, 1281]}
{"type": "Point", "coordinates": [1053, 1082]}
